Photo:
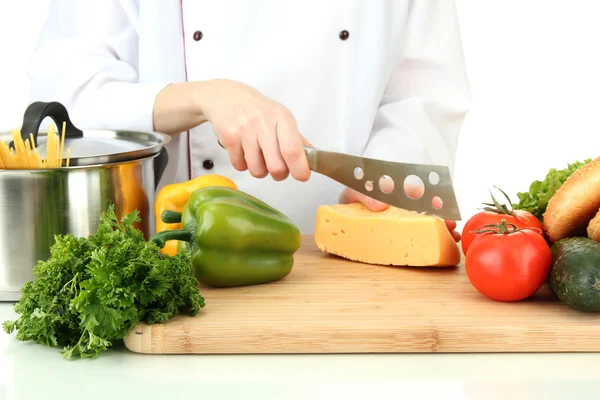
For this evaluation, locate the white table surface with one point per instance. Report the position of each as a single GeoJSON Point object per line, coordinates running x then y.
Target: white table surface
{"type": "Point", "coordinates": [30, 371]}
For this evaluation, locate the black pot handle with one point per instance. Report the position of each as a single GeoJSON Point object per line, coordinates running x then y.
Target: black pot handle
{"type": "Point", "coordinates": [35, 114]}
{"type": "Point", "coordinates": [160, 164]}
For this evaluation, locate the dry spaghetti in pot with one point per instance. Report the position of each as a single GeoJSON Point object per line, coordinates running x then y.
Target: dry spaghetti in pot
{"type": "Point", "coordinates": [25, 155]}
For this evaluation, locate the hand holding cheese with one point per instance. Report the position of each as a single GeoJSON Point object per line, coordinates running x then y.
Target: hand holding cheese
{"type": "Point", "coordinates": [415, 191]}
{"type": "Point", "coordinates": [260, 134]}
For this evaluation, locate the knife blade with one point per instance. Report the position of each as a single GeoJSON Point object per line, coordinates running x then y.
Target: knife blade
{"type": "Point", "coordinates": [374, 178]}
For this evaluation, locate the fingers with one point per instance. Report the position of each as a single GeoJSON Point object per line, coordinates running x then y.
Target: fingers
{"type": "Point", "coordinates": [305, 141]}
{"type": "Point", "coordinates": [252, 146]}
{"type": "Point", "coordinates": [244, 150]}
{"type": "Point", "coordinates": [455, 235]}
{"type": "Point", "coordinates": [352, 196]}
{"type": "Point", "coordinates": [386, 184]}
{"type": "Point", "coordinates": [452, 228]}
{"type": "Point", "coordinates": [230, 140]}
{"type": "Point", "coordinates": [269, 145]}
{"type": "Point", "coordinates": [267, 142]}
{"type": "Point", "coordinates": [451, 225]}
{"type": "Point", "coordinates": [254, 156]}
{"type": "Point", "coordinates": [414, 191]}
{"type": "Point", "coordinates": [291, 146]}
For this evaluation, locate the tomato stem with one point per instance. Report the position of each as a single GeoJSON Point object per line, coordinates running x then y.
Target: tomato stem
{"type": "Point", "coordinates": [502, 227]}
{"type": "Point", "coordinates": [497, 207]}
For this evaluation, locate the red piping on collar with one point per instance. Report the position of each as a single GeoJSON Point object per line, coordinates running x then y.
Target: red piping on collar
{"type": "Point", "coordinates": [186, 79]}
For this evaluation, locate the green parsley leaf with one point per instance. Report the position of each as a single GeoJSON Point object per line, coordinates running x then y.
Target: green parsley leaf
{"type": "Point", "coordinates": [92, 291]}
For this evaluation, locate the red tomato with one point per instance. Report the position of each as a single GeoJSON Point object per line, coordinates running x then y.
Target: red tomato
{"type": "Point", "coordinates": [508, 266]}
{"type": "Point", "coordinates": [521, 219]}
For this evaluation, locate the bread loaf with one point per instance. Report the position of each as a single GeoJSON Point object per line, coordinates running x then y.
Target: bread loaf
{"type": "Point", "coordinates": [575, 204]}
{"type": "Point", "coordinates": [593, 229]}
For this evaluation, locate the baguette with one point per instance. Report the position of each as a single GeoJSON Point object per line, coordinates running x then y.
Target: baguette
{"type": "Point", "coordinates": [574, 205]}
{"type": "Point", "coordinates": [593, 229]}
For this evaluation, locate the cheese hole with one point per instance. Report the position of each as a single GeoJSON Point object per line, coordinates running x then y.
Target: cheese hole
{"type": "Point", "coordinates": [369, 185]}
{"type": "Point", "coordinates": [333, 233]}
{"type": "Point", "coordinates": [386, 184]}
{"type": "Point", "coordinates": [414, 187]}
{"type": "Point", "coordinates": [437, 202]}
{"type": "Point", "coordinates": [359, 173]}
{"type": "Point", "coordinates": [434, 178]}
{"type": "Point", "coordinates": [343, 231]}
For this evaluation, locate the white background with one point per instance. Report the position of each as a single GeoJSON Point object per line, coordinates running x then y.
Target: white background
{"type": "Point", "coordinates": [534, 68]}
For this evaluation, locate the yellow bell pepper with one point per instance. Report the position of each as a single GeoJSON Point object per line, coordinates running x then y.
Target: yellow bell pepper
{"type": "Point", "coordinates": [174, 196]}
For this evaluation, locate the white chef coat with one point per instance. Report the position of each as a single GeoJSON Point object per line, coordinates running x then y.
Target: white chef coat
{"type": "Point", "coordinates": [379, 78]}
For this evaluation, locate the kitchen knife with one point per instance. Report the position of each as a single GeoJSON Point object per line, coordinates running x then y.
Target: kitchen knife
{"type": "Point", "coordinates": [384, 181]}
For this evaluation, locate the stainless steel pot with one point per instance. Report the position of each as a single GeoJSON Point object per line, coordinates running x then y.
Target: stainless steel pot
{"type": "Point", "coordinates": [106, 167]}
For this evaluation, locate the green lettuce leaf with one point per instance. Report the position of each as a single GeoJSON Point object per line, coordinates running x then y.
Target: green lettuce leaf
{"type": "Point", "coordinates": [540, 192]}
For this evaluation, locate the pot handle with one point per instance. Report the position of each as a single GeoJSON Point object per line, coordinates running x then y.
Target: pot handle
{"type": "Point", "coordinates": [160, 164]}
{"type": "Point", "coordinates": [35, 114]}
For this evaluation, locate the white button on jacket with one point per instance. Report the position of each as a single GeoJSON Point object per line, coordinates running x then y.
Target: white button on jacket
{"type": "Point", "coordinates": [381, 78]}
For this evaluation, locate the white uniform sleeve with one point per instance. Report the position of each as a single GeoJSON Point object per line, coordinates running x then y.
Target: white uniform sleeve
{"type": "Point", "coordinates": [428, 95]}
{"type": "Point", "coordinates": [87, 59]}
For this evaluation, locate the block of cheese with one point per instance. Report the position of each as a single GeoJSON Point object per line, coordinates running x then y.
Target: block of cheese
{"type": "Point", "coordinates": [391, 237]}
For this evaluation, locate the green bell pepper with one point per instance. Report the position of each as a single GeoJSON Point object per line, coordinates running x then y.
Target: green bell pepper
{"type": "Point", "coordinates": [235, 239]}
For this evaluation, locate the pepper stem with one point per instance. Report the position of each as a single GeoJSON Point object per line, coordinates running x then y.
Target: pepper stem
{"type": "Point", "coordinates": [161, 238]}
{"type": "Point", "coordinates": [170, 217]}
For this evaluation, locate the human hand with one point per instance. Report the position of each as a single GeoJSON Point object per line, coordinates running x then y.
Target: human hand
{"type": "Point", "coordinates": [414, 191]}
{"type": "Point", "coordinates": [259, 134]}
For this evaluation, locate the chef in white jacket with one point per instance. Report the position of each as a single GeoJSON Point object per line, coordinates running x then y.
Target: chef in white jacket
{"type": "Point", "coordinates": [379, 78]}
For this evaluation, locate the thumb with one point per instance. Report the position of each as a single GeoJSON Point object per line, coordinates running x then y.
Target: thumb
{"type": "Point", "coordinates": [352, 196]}
{"type": "Point", "coordinates": [305, 141]}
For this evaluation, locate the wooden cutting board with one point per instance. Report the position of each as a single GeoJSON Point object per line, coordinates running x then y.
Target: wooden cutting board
{"type": "Point", "coordinates": [332, 305]}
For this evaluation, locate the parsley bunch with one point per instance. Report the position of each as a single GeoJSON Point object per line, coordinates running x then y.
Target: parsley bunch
{"type": "Point", "coordinates": [92, 291]}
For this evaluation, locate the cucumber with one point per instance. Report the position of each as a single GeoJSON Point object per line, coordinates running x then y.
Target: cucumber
{"type": "Point", "coordinates": [575, 273]}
